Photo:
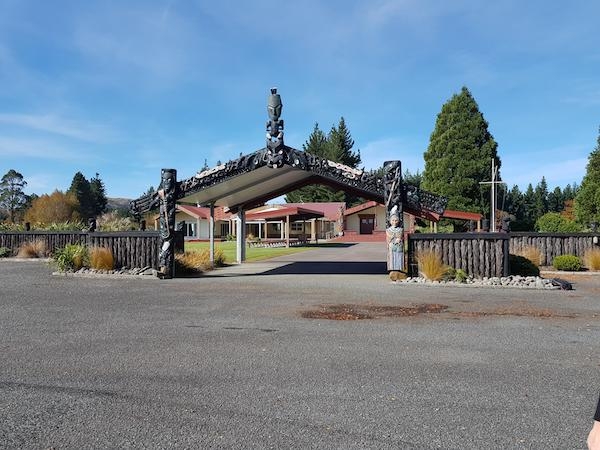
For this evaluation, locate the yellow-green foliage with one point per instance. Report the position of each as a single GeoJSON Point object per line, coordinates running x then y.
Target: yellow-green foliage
{"type": "Point", "coordinates": [71, 257]}
{"type": "Point", "coordinates": [32, 249]}
{"type": "Point", "coordinates": [112, 221]}
{"type": "Point", "coordinates": [592, 259]}
{"type": "Point", "coordinates": [101, 258]}
{"type": "Point", "coordinates": [194, 262]}
{"type": "Point", "coordinates": [431, 265]}
{"type": "Point", "coordinates": [533, 254]}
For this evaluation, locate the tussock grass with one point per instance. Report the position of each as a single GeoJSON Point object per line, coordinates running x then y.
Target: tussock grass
{"type": "Point", "coordinates": [533, 254]}
{"type": "Point", "coordinates": [431, 265]}
{"type": "Point", "coordinates": [592, 259]}
{"type": "Point", "coordinates": [197, 261]}
{"type": "Point", "coordinates": [101, 258]}
{"type": "Point", "coordinates": [32, 249]}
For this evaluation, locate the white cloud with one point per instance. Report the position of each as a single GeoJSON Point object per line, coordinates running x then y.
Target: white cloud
{"type": "Point", "coordinates": [37, 148]}
{"type": "Point", "coordinates": [60, 126]}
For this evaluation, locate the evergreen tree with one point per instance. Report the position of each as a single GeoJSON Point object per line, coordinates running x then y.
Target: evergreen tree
{"type": "Point", "coordinates": [12, 197]}
{"type": "Point", "coordinates": [340, 143]}
{"type": "Point", "coordinates": [414, 179]}
{"type": "Point", "coordinates": [80, 188]}
{"type": "Point", "coordinates": [529, 208]}
{"type": "Point", "coordinates": [337, 146]}
{"type": "Point", "coordinates": [459, 154]}
{"type": "Point", "coordinates": [587, 199]}
{"type": "Point", "coordinates": [540, 199]}
{"type": "Point", "coordinates": [98, 195]}
{"type": "Point", "coordinates": [556, 202]}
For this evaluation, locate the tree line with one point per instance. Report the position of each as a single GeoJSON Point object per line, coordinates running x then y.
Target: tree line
{"type": "Point", "coordinates": [83, 200]}
{"type": "Point", "coordinates": [458, 166]}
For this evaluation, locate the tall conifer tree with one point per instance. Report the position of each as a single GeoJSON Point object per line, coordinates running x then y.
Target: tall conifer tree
{"type": "Point", "coordinates": [587, 200]}
{"type": "Point", "coordinates": [459, 155]}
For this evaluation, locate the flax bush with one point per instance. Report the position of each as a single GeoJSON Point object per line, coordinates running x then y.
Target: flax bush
{"type": "Point", "coordinates": [71, 257]}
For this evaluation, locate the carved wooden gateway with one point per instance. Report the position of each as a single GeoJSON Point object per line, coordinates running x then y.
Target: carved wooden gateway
{"type": "Point", "coordinates": [274, 170]}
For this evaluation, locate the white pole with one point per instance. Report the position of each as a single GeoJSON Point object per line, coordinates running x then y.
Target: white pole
{"type": "Point", "coordinates": [493, 202]}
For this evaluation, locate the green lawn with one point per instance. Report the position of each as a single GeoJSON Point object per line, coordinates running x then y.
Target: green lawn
{"type": "Point", "coordinates": [252, 254]}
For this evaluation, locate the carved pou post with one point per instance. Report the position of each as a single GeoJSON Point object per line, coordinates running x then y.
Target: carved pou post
{"type": "Point", "coordinates": [167, 197]}
{"type": "Point", "coordinates": [393, 190]}
{"type": "Point", "coordinates": [275, 148]}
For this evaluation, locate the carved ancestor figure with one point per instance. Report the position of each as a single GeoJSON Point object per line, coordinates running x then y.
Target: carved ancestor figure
{"type": "Point", "coordinates": [166, 197]}
{"type": "Point", "coordinates": [275, 148]}
{"type": "Point", "coordinates": [395, 248]}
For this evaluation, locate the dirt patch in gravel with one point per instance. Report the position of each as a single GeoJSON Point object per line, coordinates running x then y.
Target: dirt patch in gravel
{"type": "Point", "coordinates": [361, 312]}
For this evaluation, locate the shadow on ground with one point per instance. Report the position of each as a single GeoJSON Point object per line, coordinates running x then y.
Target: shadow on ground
{"type": "Point", "coordinates": [330, 267]}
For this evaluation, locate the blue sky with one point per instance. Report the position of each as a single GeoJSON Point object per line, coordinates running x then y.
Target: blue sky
{"type": "Point", "coordinates": [125, 88]}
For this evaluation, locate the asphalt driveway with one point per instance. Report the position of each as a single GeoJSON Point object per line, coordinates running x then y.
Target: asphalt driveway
{"type": "Point", "coordinates": [228, 361]}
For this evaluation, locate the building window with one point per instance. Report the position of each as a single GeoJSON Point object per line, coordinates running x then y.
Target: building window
{"type": "Point", "coordinates": [297, 226]}
{"type": "Point", "coordinates": [191, 230]}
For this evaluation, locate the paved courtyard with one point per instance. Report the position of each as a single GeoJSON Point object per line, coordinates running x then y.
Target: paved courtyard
{"type": "Point", "coordinates": [228, 361]}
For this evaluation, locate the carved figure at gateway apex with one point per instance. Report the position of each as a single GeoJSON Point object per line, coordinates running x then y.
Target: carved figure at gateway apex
{"type": "Point", "coordinates": [275, 147]}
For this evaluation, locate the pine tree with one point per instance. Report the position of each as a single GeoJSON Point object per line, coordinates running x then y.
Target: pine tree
{"type": "Point", "coordinates": [340, 145]}
{"type": "Point", "coordinates": [556, 202]}
{"type": "Point", "coordinates": [12, 197]}
{"type": "Point", "coordinates": [529, 207]}
{"type": "Point", "coordinates": [80, 188]}
{"type": "Point", "coordinates": [318, 145]}
{"type": "Point", "coordinates": [99, 199]}
{"type": "Point", "coordinates": [540, 199]}
{"type": "Point", "coordinates": [587, 200]}
{"type": "Point", "coordinates": [459, 154]}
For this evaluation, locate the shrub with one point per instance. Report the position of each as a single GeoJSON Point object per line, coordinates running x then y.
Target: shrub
{"type": "Point", "coordinates": [431, 265]}
{"type": "Point", "coordinates": [113, 221]}
{"type": "Point", "coordinates": [32, 249]}
{"type": "Point", "coordinates": [196, 262]}
{"type": "Point", "coordinates": [101, 258]}
{"type": "Point", "coordinates": [554, 222]}
{"type": "Point", "coordinates": [7, 226]}
{"type": "Point", "coordinates": [519, 265]}
{"type": "Point", "coordinates": [592, 259]}
{"type": "Point", "coordinates": [567, 262]}
{"type": "Point", "coordinates": [4, 252]}
{"type": "Point", "coordinates": [461, 276]}
{"type": "Point", "coordinates": [71, 257]}
{"type": "Point", "coordinates": [533, 254]}
{"type": "Point", "coordinates": [68, 225]}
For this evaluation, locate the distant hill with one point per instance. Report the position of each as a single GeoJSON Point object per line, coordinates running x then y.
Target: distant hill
{"type": "Point", "coordinates": [117, 204]}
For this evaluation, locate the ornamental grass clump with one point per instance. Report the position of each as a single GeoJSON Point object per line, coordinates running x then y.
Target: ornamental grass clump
{"type": "Point", "coordinates": [32, 249]}
{"type": "Point", "coordinates": [431, 265]}
{"type": "Point", "coordinates": [592, 259]}
{"type": "Point", "coordinates": [71, 257]}
{"type": "Point", "coordinates": [570, 263]}
{"type": "Point", "coordinates": [533, 254]}
{"type": "Point", "coordinates": [196, 262]}
{"type": "Point", "coordinates": [101, 258]}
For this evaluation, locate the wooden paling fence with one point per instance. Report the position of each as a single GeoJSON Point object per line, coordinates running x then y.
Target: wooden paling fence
{"type": "Point", "coordinates": [478, 254]}
{"type": "Point", "coordinates": [129, 248]}
{"type": "Point", "coordinates": [487, 254]}
{"type": "Point", "coordinates": [551, 245]}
